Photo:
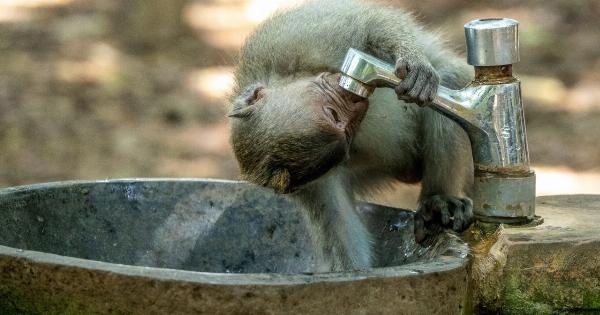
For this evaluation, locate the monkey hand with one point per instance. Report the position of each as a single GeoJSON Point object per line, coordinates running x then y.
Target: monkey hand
{"type": "Point", "coordinates": [449, 211]}
{"type": "Point", "coordinates": [419, 81]}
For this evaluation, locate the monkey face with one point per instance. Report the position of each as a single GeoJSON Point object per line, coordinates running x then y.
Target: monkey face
{"type": "Point", "coordinates": [291, 133]}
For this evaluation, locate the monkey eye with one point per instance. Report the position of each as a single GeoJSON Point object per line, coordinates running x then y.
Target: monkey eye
{"type": "Point", "coordinates": [333, 115]}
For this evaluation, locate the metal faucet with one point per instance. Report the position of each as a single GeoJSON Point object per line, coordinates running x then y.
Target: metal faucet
{"type": "Point", "coordinates": [489, 109]}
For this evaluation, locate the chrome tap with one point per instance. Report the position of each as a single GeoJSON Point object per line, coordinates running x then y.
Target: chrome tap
{"type": "Point", "coordinates": [489, 109]}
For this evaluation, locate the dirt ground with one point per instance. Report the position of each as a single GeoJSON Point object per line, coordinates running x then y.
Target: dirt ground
{"type": "Point", "coordinates": [108, 89]}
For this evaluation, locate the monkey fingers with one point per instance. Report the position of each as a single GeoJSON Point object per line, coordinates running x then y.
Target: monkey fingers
{"type": "Point", "coordinates": [420, 229]}
{"type": "Point", "coordinates": [449, 211]}
{"type": "Point", "coordinates": [419, 81]}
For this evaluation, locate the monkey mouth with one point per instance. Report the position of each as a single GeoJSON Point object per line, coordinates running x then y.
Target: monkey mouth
{"type": "Point", "coordinates": [355, 117]}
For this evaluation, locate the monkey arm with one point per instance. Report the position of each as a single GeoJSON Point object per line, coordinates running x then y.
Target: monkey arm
{"type": "Point", "coordinates": [394, 36]}
{"type": "Point", "coordinates": [454, 72]}
{"type": "Point", "coordinates": [336, 225]}
{"type": "Point", "coordinates": [391, 34]}
{"type": "Point", "coordinates": [423, 61]}
{"type": "Point", "coordinates": [315, 37]}
{"type": "Point", "coordinates": [447, 174]}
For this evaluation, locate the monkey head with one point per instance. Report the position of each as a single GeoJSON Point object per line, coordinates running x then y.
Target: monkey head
{"type": "Point", "coordinates": [291, 133]}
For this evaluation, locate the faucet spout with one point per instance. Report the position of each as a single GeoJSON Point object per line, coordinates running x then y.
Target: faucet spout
{"type": "Point", "coordinates": [362, 73]}
{"type": "Point", "coordinates": [457, 104]}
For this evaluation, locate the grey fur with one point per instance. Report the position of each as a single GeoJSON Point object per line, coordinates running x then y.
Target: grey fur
{"type": "Point", "coordinates": [397, 140]}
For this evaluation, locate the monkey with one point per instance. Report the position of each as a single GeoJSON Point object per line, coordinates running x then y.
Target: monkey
{"type": "Point", "coordinates": [295, 130]}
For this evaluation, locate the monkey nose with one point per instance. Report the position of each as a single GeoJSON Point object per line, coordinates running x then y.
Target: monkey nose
{"type": "Point", "coordinates": [330, 78]}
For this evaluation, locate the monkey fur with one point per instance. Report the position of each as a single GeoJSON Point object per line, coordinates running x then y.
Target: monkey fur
{"type": "Point", "coordinates": [296, 131]}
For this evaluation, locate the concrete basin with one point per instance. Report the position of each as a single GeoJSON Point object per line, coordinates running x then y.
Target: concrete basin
{"type": "Point", "coordinates": [159, 246]}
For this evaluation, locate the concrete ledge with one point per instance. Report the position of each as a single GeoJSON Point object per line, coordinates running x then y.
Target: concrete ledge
{"type": "Point", "coordinates": [544, 269]}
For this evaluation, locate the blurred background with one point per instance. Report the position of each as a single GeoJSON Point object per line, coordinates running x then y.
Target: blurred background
{"type": "Point", "coordinates": [109, 89]}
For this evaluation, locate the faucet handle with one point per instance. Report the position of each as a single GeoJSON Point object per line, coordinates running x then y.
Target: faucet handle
{"type": "Point", "coordinates": [492, 42]}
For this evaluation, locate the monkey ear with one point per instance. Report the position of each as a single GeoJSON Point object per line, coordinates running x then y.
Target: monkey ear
{"type": "Point", "coordinates": [280, 181]}
{"type": "Point", "coordinates": [256, 93]}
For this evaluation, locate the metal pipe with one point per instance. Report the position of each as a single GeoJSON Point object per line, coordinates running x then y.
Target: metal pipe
{"type": "Point", "coordinates": [489, 109]}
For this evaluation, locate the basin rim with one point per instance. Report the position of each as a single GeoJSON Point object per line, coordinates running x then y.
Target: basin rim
{"type": "Point", "coordinates": [440, 264]}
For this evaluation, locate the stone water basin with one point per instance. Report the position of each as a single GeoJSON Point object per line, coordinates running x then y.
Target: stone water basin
{"type": "Point", "coordinates": [161, 246]}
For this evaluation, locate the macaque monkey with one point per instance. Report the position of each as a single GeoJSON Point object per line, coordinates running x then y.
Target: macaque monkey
{"type": "Point", "coordinates": [296, 131]}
